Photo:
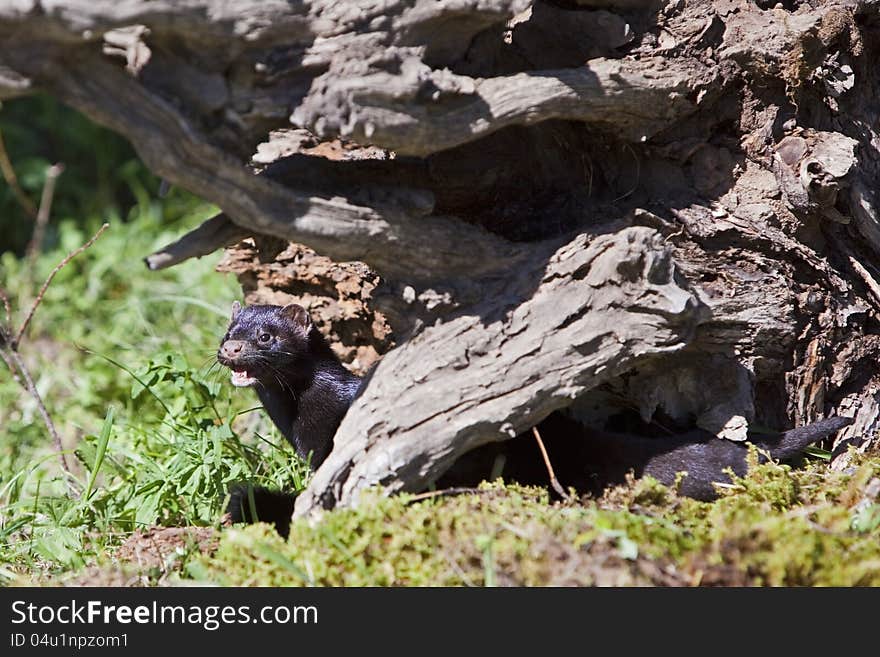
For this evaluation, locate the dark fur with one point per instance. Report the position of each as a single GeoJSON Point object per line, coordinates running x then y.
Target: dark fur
{"type": "Point", "coordinates": [270, 506]}
{"type": "Point", "coordinates": [699, 453]}
{"type": "Point", "coordinates": [301, 383]}
{"type": "Point", "coordinates": [592, 460]}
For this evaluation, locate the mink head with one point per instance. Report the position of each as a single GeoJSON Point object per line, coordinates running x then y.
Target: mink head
{"type": "Point", "coordinates": [265, 344]}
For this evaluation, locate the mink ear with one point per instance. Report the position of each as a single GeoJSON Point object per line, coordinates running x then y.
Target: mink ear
{"type": "Point", "coordinates": [236, 308]}
{"type": "Point", "coordinates": [298, 315]}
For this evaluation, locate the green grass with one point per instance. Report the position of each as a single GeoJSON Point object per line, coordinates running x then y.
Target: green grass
{"type": "Point", "coordinates": [123, 359]}
{"type": "Point", "coordinates": [777, 526]}
{"type": "Point", "coordinates": [121, 356]}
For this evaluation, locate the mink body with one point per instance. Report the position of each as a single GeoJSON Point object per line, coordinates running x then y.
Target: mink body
{"type": "Point", "coordinates": [591, 460]}
{"type": "Point", "coordinates": [301, 383]}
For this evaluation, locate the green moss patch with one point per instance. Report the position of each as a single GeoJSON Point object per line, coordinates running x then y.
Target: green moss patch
{"type": "Point", "coordinates": [776, 526]}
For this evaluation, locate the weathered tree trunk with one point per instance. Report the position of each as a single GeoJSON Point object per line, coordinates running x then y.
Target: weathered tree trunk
{"type": "Point", "coordinates": [603, 205]}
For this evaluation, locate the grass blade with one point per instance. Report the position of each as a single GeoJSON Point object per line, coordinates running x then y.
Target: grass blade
{"type": "Point", "coordinates": [103, 439]}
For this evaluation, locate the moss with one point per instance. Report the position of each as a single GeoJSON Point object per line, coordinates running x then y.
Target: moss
{"type": "Point", "coordinates": [783, 527]}
{"type": "Point", "coordinates": [504, 535]}
{"type": "Point", "coordinates": [776, 526]}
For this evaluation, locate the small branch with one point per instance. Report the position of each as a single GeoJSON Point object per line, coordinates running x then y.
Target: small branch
{"type": "Point", "coordinates": [32, 389]}
{"type": "Point", "coordinates": [553, 480]}
{"type": "Point", "coordinates": [6, 339]}
{"type": "Point", "coordinates": [446, 492]}
{"type": "Point", "coordinates": [6, 305]}
{"type": "Point", "coordinates": [858, 267]}
{"type": "Point", "coordinates": [70, 256]}
{"type": "Point", "coordinates": [13, 84]}
{"type": "Point", "coordinates": [11, 365]}
{"type": "Point", "coordinates": [9, 345]}
{"type": "Point", "coordinates": [42, 219]}
{"type": "Point", "coordinates": [12, 180]}
{"type": "Point", "coordinates": [213, 234]}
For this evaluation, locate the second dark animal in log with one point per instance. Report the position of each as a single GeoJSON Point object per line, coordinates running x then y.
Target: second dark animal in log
{"type": "Point", "coordinates": [590, 460]}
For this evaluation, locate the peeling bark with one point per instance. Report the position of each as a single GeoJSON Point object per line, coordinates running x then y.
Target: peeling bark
{"type": "Point", "coordinates": [417, 111]}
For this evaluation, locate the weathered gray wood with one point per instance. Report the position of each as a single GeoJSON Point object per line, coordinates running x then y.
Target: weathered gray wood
{"type": "Point", "coordinates": [597, 307]}
{"type": "Point", "coordinates": [13, 84]}
{"type": "Point", "coordinates": [387, 238]}
{"type": "Point", "coordinates": [213, 234]}
{"type": "Point", "coordinates": [418, 111]}
{"type": "Point", "coordinates": [386, 234]}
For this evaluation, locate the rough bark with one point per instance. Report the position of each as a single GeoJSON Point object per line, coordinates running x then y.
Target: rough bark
{"type": "Point", "coordinates": [596, 308]}
{"type": "Point", "coordinates": [339, 296]}
{"type": "Point", "coordinates": [719, 154]}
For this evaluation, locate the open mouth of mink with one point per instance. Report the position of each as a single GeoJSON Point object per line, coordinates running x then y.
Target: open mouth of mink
{"type": "Point", "coordinates": [242, 378]}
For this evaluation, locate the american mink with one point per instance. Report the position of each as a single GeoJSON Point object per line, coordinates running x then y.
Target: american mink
{"type": "Point", "coordinates": [591, 460]}
{"type": "Point", "coordinates": [700, 453]}
{"type": "Point", "coordinates": [301, 383]}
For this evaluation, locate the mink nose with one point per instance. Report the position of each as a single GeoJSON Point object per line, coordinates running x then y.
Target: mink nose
{"type": "Point", "coordinates": [231, 348]}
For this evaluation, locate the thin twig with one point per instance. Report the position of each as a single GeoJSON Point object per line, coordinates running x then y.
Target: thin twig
{"type": "Point", "coordinates": [447, 492]}
{"type": "Point", "coordinates": [10, 364]}
{"type": "Point", "coordinates": [8, 308]}
{"type": "Point", "coordinates": [213, 234]}
{"type": "Point", "coordinates": [33, 247]}
{"type": "Point", "coordinates": [70, 256]}
{"type": "Point", "coordinates": [12, 180]}
{"type": "Point", "coordinates": [32, 389]}
{"type": "Point", "coordinates": [553, 480]}
{"type": "Point", "coordinates": [638, 175]}
{"type": "Point", "coordinates": [858, 267]}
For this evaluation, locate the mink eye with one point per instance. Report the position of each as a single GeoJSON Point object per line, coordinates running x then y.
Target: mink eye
{"type": "Point", "coordinates": [265, 337]}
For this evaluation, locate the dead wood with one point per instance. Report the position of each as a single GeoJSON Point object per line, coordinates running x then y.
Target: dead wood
{"type": "Point", "coordinates": [663, 209]}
